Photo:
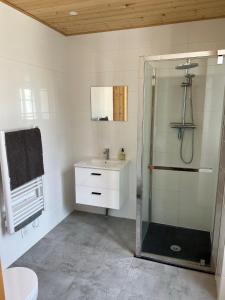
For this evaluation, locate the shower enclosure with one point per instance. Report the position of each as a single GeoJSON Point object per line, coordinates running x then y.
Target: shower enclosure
{"type": "Point", "coordinates": [180, 118]}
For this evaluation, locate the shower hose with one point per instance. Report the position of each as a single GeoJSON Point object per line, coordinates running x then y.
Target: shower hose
{"type": "Point", "coordinates": [187, 161]}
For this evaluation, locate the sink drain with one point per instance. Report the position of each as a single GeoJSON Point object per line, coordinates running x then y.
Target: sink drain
{"type": "Point", "coordinates": [175, 248]}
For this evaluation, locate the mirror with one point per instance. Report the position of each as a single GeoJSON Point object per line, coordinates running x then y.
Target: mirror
{"type": "Point", "coordinates": [109, 103]}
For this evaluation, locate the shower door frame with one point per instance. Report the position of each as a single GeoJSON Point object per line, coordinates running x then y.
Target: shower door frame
{"type": "Point", "coordinates": [215, 240]}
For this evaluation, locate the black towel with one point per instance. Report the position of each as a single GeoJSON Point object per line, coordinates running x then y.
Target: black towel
{"type": "Point", "coordinates": [24, 155]}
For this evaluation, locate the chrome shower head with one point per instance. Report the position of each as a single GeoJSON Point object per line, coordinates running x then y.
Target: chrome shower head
{"type": "Point", "coordinates": [187, 65]}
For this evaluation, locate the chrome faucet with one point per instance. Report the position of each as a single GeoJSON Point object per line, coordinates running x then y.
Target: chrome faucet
{"type": "Point", "coordinates": [106, 153]}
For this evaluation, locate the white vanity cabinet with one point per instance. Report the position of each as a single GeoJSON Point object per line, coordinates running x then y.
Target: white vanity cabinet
{"type": "Point", "coordinates": [102, 183]}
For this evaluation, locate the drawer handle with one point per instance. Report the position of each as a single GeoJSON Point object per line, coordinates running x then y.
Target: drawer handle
{"type": "Point", "coordinates": [96, 174]}
{"type": "Point", "coordinates": [95, 193]}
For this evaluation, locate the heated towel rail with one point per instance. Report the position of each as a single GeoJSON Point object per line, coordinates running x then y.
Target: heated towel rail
{"type": "Point", "coordinates": [23, 204]}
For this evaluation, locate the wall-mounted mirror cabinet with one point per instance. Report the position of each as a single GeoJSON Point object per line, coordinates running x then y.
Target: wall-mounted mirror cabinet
{"type": "Point", "coordinates": [109, 103]}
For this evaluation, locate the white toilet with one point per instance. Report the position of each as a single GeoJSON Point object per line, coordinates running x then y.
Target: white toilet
{"type": "Point", "coordinates": [20, 284]}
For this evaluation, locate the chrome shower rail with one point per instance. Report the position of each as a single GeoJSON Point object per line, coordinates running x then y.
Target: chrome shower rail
{"type": "Point", "coordinates": [184, 55]}
{"type": "Point", "coordinates": [180, 169]}
{"type": "Point", "coordinates": [182, 125]}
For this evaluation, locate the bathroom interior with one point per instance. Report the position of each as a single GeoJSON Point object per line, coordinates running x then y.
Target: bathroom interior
{"type": "Point", "coordinates": [112, 143]}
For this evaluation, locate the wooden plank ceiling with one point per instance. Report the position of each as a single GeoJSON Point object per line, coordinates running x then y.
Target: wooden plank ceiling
{"type": "Point", "coordinates": [107, 15]}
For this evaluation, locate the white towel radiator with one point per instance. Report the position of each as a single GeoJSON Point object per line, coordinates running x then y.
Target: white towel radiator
{"type": "Point", "coordinates": [23, 204]}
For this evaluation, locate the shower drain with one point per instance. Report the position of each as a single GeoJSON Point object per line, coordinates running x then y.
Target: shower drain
{"type": "Point", "coordinates": [175, 248]}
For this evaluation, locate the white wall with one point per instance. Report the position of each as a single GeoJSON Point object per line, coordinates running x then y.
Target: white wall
{"type": "Point", "coordinates": [112, 58]}
{"type": "Point", "coordinates": [32, 59]}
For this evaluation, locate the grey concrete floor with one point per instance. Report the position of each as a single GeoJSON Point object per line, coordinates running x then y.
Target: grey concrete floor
{"type": "Point", "coordinates": [90, 257]}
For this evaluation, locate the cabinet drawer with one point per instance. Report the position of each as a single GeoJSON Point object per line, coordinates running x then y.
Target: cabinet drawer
{"type": "Point", "coordinates": [97, 197]}
{"type": "Point", "coordinates": [97, 178]}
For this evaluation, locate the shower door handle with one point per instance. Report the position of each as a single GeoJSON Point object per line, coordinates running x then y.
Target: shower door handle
{"type": "Point", "coordinates": [180, 169]}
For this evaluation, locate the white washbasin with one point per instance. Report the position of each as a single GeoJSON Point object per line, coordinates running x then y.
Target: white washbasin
{"type": "Point", "coordinates": [96, 163]}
